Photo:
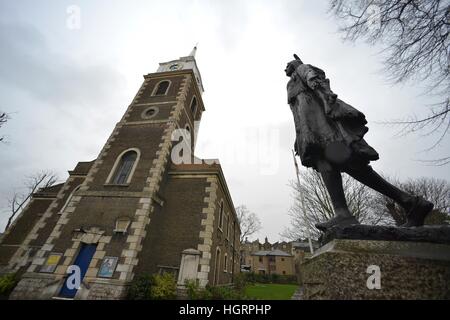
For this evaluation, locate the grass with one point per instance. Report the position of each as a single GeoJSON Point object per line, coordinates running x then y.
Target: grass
{"type": "Point", "coordinates": [261, 291]}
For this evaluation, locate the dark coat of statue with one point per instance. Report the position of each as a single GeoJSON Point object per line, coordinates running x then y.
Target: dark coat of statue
{"type": "Point", "coordinates": [330, 139]}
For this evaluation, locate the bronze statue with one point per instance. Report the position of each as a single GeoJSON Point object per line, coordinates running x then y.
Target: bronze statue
{"type": "Point", "coordinates": [330, 139]}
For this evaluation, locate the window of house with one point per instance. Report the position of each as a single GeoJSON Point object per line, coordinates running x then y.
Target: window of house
{"type": "Point", "coordinates": [227, 226]}
{"type": "Point", "coordinates": [284, 272]}
{"type": "Point", "coordinates": [282, 259]}
{"type": "Point", "coordinates": [124, 167]}
{"type": "Point", "coordinates": [162, 88]}
{"type": "Point", "coordinates": [221, 215]}
{"type": "Point", "coordinates": [225, 263]}
{"type": "Point", "coordinates": [194, 105]}
{"type": "Point", "coordinates": [260, 259]}
{"type": "Point", "coordinates": [122, 225]}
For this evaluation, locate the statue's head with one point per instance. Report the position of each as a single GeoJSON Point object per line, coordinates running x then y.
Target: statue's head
{"type": "Point", "coordinates": [291, 66]}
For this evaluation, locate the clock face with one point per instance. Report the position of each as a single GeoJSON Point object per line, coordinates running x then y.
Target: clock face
{"type": "Point", "coordinates": [174, 67]}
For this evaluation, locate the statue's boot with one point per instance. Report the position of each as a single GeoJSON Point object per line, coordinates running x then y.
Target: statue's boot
{"type": "Point", "coordinates": [417, 212]}
{"type": "Point", "coordinates": [337, 221]}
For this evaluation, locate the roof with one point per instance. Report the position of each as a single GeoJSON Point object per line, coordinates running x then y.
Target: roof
{"type": "Point", "coordinates": [82, 168]}
{"type": "Point", "coordinates": [271, 253]}
{"type": "Point", "coordinates": [51, 189]}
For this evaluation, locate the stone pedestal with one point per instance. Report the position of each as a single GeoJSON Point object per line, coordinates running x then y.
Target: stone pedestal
{"type": "Point", "coordinates": [190, 259]}
{"type": "Point", "coordinates": [408, 270]}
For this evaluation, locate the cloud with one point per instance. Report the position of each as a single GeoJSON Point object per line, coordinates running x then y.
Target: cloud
{"type": "Point", "coordinates": [29, 64]}
{"type": "Point", "coordinates": [60, 107]}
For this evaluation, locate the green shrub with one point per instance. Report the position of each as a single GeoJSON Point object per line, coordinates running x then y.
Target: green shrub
{"type": "Point", "coordinates": [224, 293]}
{"type": "Point", "coordinates": [153, 287]}
{"type": "Point", "coordinates": [164, 287]}
{"type": "Point", "coordinates": [194, 292]}
{"type": "Point", "coordinates": [270, 278]}
{"type": "Point", "coordinates": [240, 282]}
{"type": "Point", "coordinates": [7, 284]}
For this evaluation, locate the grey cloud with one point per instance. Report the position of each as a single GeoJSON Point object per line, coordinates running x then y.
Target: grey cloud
{"type": "Point", "coordinates": [28, 63]}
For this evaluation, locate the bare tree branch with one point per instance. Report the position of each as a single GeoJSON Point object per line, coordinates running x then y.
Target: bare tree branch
{"type": "Point", "coordinates": [317, 205]}
{"type": "Point", "coordinates": [435, 190]}
{"type": "Point", "coordinates": [3, 119]}
{"type": "Point", "coordinates": [415, 38]}
{"type": "Point", "coordinates": [248, 222]}
{"type": "Point", "coordinates": [33, 183]}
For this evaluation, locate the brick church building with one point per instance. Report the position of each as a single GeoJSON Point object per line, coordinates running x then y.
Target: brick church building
{"type": "Point", "coordinates": [133, 210]}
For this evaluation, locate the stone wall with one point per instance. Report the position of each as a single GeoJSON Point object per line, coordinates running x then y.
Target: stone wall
{"type": "Point", "coordinates": [38, 287]}
{"type": "Point", "coordinates": [408, 270]}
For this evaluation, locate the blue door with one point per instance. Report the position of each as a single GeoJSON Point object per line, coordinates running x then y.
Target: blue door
{"type": "Point", "coordinates": [82, 261]}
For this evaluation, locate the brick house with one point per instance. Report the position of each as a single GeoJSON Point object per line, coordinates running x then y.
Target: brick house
{"type": "Point", "coordinates": [272, 262]}
{"type": "Point", "coordinates": [134, 210]}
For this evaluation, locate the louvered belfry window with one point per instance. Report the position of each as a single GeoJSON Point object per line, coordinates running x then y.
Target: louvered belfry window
{"type": "Point", "coordinates": [124, 168]}
{"type": "Point", "coordinates": [194, 105]}
{"type": "Point", "coordinates": [162, 88]}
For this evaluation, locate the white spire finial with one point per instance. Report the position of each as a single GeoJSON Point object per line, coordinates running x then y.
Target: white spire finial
{"type": "Point", "coordinates": [192, 54]}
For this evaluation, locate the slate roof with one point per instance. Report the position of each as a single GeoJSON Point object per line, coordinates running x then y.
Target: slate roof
{"type": "Point", "coordinates": [271, 253]}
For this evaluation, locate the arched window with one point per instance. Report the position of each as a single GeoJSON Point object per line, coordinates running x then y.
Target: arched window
{"type": "Point", "coordinates": [124, 167]}
{"type": "Point", "coordinates": [194, 105]}
{"type": "Point", "coordinates": [217, 267]}
{"type": "Point", "coordinates": [68, 199]}
{"type": "Point", "coordinates": [162, 88]}
{"type": "Point", "coordinates": [225, 263]}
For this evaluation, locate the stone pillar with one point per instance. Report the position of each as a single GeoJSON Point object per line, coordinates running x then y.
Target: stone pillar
{"type": "Point", "coordinates": [190, 259]}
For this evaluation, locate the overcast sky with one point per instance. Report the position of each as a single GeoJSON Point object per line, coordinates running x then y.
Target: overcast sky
{"type": "Point", "coordinates": [66, 88]}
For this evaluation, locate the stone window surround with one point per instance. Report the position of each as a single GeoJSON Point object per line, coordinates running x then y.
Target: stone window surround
{"type": "Point", "coordinates": [217, 265]}
{"type": "Point", "coordinates": [144, 113]}
{"type": "Point", "coordinates": [225, 263]}
{"type": "Point", "coordinates": [196, 106]}
{"type": "Point", "coordinates": [157, 86]}
{"type": "Point", "coordinates": [124, 229]}
{"type": "Point", "coordinates": [116, 163]}
{"type": "Point", "coordinates": [69, 199]}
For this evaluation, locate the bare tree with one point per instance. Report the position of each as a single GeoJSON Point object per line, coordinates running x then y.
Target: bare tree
{"type": "Point", "coordinates": [415, 39]}
{"type": "Point", "coordinates": [3, 119]}
{"type": "Point", "coordinates": [248, 221]}
{"type": "Point", "coordinates": [435, 190]}
{"type": "Point", "coordinates": [33, 184]}
{"type": "Point", "coordinates": [316, 206]}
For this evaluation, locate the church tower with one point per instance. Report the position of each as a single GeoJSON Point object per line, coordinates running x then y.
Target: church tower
{"type": "Point", "coordinates": [132, 210]}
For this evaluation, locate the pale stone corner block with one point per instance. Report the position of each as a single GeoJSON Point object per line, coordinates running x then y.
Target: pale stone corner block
{"type": "Point", "coordinates": [47, 247]}
{"type": "Point", "coordinates": [70, 252]}
{"type": "Point", "coordinates": [32, 268]}
{"type": "Point", "coordinates": [61, 269]}
{"type": "Point", "coordinates": [39, 261]}
{"type": "Point", "coordinates": [124, 268]}
{"type": "Point", "coordinates": [204, 247]}
{"type": "Point", "coordinates": [68, 260]}
{"type": "Point", "coordinates": [105, 239]}
{"type": "Point", "coordinates": [92, 272]}
{"type": "Point", "coordinates": [202, 275]}
{"type": "Point", "coordinates": [206, 255]}
{"type": "Point", "coordinates": [205, 268]}
{"type": "Point", "coordinates": [99, 254]}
